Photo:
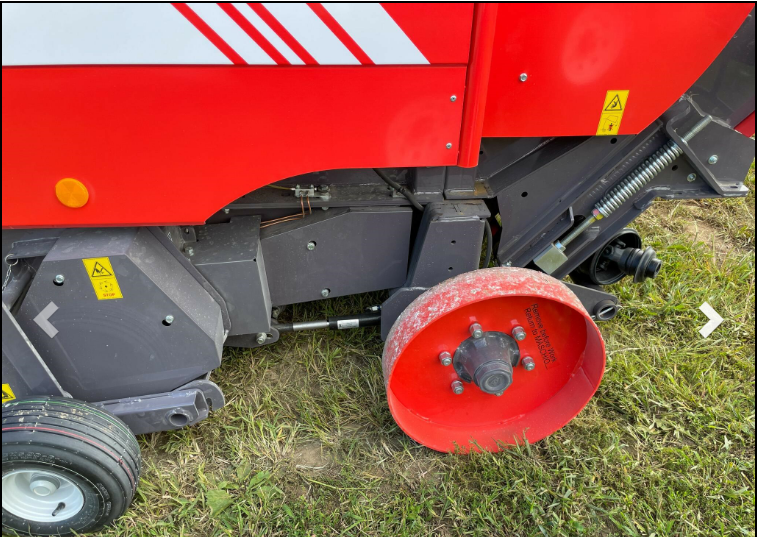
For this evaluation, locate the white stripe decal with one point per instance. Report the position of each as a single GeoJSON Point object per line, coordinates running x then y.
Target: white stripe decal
{"type": "Point", "coordinates": [231, 33]}
{"type": "Point", "coordinates": [268, 33]}
{"type": "Point", "coordinates": [102, 34]}
{"type": "Point", "coordinates": [307, 28]}
{"type": "Point", "coordinates": [375, 31]}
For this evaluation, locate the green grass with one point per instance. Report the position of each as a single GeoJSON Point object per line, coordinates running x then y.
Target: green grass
{"type": "Point", "coordinates": [306, 445]}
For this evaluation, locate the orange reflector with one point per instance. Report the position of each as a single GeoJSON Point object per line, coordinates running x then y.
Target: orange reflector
{"type": "Point", "coordinates": [72, 193]}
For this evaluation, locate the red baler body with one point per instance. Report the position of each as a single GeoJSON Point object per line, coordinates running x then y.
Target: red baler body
{"type": "Point", "coordinates": [172, 144]}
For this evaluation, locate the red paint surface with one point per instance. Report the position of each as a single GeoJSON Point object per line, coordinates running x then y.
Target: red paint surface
{"type": "Point", "coordinates": [440, 30]}
{"type": "Point", "coordinates": [748, 127]}
{"type": "Point", "coordinates": [164, 145]}
{"type": "Point", "coordinates": [477, 82]}
{"type": "Point", "coordinates": [537, 403]}
{"type": "Point", "coordinates": [574, 52]}
{"type": "Point", "coordinates": [340, 33]}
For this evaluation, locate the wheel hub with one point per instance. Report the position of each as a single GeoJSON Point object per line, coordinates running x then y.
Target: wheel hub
{"type": "Point", "coordinates": [488, 361]}
{"type": "Point", "coordinates": [41, 496]}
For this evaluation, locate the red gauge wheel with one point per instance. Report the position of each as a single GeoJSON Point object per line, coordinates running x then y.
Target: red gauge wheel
{"type": "Point", "coordinates": [478, 318]}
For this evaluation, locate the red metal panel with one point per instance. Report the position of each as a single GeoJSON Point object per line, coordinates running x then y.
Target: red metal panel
{"type": "Point", "coordinates": [477, 82]}
{"type": "Point", "coordinates": [167, 145]}
{"type": "Point", "coordinates": [573, 53]}
{"type": "Point", "coordinates": [441, 31]}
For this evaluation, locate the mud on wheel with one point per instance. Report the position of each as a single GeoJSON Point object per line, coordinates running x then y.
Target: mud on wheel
{"type": "Point", "coordinates": [493, 357]}
{"type": "Point", "coordinates": [68, 467]}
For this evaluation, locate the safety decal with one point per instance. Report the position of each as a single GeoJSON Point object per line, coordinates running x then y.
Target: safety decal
{"type": "Point", "coordinates": [102, 276]}
{"type": "Point", "coordinates": [8, 394]}
{"type": "Point", "coordinates": [613, 110]}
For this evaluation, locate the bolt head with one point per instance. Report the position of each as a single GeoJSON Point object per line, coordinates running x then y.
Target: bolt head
{"type": "Point", "coordinates": [713, 159]}
{"type": "Point", "coordinates": [457, 387]}
{"type": "Point", "coordinates": [476, 330]}
{"type": "Point", "coordinates": [169, 319]}
{"type": "Point", "coordinates": [691, 177]}
{"type": "Point", "coordinates": [499, 393]}
{"type": "Point", "coordinates": [528, 363]}
{"type": "Point", "coordinates": [325, 292]}
{"type": "Point", "coordinates": [453, 98]}
{"type": "Point", "coordinates": [190, 251]}
{"type": "Point", "coordinates": [448, 145]}
{"type": "Point", "coordinates": [59, 279]}
{"type": "Point", "coordinates": [518, 334]}
{"type": "Point", "coordinates": [226, 211]}
{"type": "Point", "coordinates": [311, 245]}
{"type": "Point", "coordinates": [445, 358]}
{"type": "Point", "coordinates": [261, 338]}
{"type": "Point", "coordinates": [523, 77]}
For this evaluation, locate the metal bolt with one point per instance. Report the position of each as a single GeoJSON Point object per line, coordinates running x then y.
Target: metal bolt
{"type": "Point", "coordinates": [261, 338]}
{"type": "Point", "coordinates": [499, 393]}
{"type": "Point", "coordinates": [691, 177]}
{"type": "Point", "coordinates": [324, 207]}
{"type": "Point", "coordinates": [226, 211]}
{"type": "Point", "coordinates": [528, 363]}
{"type": "Point", "coordinates": [713, 159]}
{"type": "Point", "coordinates": [311, 245]}
{"type": "Point", "coordinates": [449, 145]}
{"type": "Point", "coordinates": [59, 279]}
{"type": "Point", "coordinates": [169, 319]}
{"type": "Point", "coordinates": [190, 251]}
{"type": "Point", "coordinates": [518, 334]}
{"type": "Point", "coordinates": [325, 292]}
{"type": "Point", "coordinates": [523, 77]}
{"type": "Point", "coordinates": [476, 330]}
{"type": "Point", "coordinates": [457, 387]}
{"type": "Point", "coordinates": [445, 358]}
{"type": "Point", "coordinates": [453, 98]}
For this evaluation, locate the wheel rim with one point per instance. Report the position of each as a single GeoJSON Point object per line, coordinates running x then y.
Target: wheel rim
{"type": "Point", "coordinates": [420, 389]}
{"type": "Point", "coordinates": [41, 496]}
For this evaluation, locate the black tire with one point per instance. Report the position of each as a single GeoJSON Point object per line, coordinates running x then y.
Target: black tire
{"type": "Point", "coordinates": [92, 449]}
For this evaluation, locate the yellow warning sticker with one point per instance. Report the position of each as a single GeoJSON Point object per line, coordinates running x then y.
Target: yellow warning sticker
{"type": "Point", "coordinates": [613, 110]}
{"type": "Point", "coordinates": [103, 278]}
{"type": "Point", "coordinates": [8, 394]}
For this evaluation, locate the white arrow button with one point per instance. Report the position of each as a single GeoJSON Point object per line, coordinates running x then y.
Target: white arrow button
{"type": "Point", "coordinates": [714, 319]}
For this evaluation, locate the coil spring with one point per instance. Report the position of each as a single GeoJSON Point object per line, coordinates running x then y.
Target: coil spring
{"type": "Point", "coordinates": [664, 156]}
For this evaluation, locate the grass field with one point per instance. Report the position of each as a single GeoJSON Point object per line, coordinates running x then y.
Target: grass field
{"type": "Point", "coordinates": [306, 445]}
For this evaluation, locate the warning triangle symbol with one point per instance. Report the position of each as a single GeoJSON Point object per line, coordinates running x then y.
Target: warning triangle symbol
{"type": "Point", "coordinates": [100, 271]}
{"type": "Point", "coordinates": [7, 395]}
{"type": "Point", "coordinates": [614, 106]}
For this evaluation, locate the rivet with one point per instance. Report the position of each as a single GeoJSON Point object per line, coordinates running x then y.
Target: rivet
{"type": "Point", "coordinates": [59, 279]}
{"type": "Point", "coordinates": [311, 245]}
{"type": "Point", "coordinates": [169, 319]}
{"type": "Point", "coordinates": [691, 177]}
{"type": "Point", "coordinates": [325, 292]}
{"type": "Point", "coordinates": [523, 77]}
{"type": "Point", "coordinates": [713, 159]}
{"type": "Point", "coordinates": [448, 145]}
{"type": "Point", "coordinates": [453, 98]}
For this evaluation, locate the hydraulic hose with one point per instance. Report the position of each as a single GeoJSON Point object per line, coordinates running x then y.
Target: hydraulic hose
{"type": "Point", "coordinates": [399, 188]}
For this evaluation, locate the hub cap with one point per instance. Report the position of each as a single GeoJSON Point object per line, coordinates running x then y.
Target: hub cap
{"type": "Point", "coordinates": [41, 496]}
{"type": "Point", "coordinates": [561, 339]}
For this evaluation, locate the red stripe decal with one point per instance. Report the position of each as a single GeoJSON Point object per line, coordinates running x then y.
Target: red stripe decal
{"type": "Point", "coordinates": [252, 32]}
{"type": "Point", "coordinates": [341, 33]}
{"type": "Point", "coordinates": [287, 38]}
{"type": "Point", "coordinates": [210, 34]}
{"type": "Point", "coordinates": [66, 433]}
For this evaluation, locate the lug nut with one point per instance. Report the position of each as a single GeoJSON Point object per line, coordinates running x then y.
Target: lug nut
{"type": "Point", "coordinates": [528, 363]}
{"type": "Point", "coordinates": [457, 387]}
{"type": "Point", "coordinates": [518, 334]}
{"type": "Point", "coordinates": [59, 279]}
{"type": "Point", "coordinates": [311, 245]}
{"type": "Point", "coordinates": [445, 358]}
{"type": "Point", "coordinates": [261, 338]}
{"type": "Point", "coordinates": [476, 330]}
